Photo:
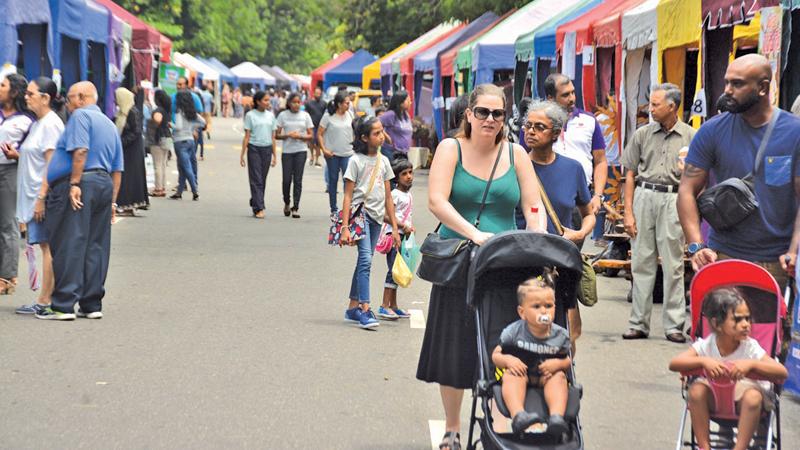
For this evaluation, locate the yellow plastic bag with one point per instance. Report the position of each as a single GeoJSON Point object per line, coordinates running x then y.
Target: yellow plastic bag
{"type": "Point", "coordinates": [400, 272]}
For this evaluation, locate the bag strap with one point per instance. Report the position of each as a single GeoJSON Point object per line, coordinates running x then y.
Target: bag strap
{"type": "Point", "coordinates": [764, 141]}
{"type": "Point", "coordinates": [488, 186]}
{"type": "Point", "coordinates": [548, 206]}
{"type": "Point", "coordinates": [375, 169]}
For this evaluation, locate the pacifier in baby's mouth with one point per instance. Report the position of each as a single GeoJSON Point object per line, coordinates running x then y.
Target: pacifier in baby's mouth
{"type": "Point", "coordinates": [543, 319]}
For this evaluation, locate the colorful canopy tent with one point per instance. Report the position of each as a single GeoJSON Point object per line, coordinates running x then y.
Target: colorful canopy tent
{"type": "Point", "coordinates": [675, 40]}
{"type": "Point", "coordinates": [607, 73]}
{"type": "Point", "coordinates": [27, 21]}
{"type": "Point", "coordinates": [495, 51]}
{"type": "Point", "coordinates": [639, 62]}
{"type": "Point", "coordinates": [388, 73]}
{"type": "Point", "coordinates": [248, 72]}
{"type": "Point", "coordinates": [225, 73]}
{"type": "Point", "coordinates": [404, 66]}
{"type": "Point", "coordinates": [281, 74]}
{"type": "Point", "coordinates": [304, 80]}
{"type": "Point", "coordinates": [447, 61]}
{"type": "Point", "coordinates": [428, 62]}
{"type": "Point", "coordinates": [535, 51]}
{"type": "Point", "coordinates": [204, 71]}
{"type": "Point", "coordinates": [725, 33]}
{"type": "Point", "coordinates": [319, 72]}
{"type": "Point", "coordinates": [349, 71]}
{"type": "Point", "coordinates": [372, 72]}
{"type": "Point", "coordinates": [80, 37]}
{"type": "Point", "coordinates": [573, 39]}
{"type": "Point", "coordinates": [119, 46]}
{"type": "Point", "coordinates": [790, 60]}
{"type": "Point", "coordinates": [147, 44]}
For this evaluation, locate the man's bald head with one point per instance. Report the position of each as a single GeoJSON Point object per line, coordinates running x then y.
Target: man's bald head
{"type": "Point", "coordinates": [747, 85]}
{"type": "Point", "coordinates": [755, 66]}
{"type": "Point", "coordinates": [82, 93]}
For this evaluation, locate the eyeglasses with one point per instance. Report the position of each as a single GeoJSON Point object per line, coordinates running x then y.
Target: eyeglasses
{"type": "Point", "coordinates": [538, 126]}
{"type": "Point", "coordinates": [482, 113]}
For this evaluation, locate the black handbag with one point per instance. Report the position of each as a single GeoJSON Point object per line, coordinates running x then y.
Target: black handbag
{"type": "Point", "coordinates": [445, 262]}
{"type": "Point", "coordinates": [731, 201]}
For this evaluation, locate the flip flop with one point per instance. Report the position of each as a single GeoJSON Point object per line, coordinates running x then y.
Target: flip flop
{"type": "Point", "coordinates": [7, 287]}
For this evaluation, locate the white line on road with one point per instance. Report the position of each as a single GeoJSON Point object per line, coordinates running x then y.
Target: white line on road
{"type": "Point", "coordinates": [175, 172]}
{"type": "Point", "coordinates": [437, 431]}
{"type": "Point", "coordinates": [118, 220]}
{"type": "Point", "coordinates": [417, 318]}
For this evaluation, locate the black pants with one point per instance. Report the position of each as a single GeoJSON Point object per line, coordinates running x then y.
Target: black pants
{"type": "Point", "coordinates": [293, 166]}
{"type": "Point", "coordinates": [80, 242]}
{"type": "Point", "coordinates": [258, 161]}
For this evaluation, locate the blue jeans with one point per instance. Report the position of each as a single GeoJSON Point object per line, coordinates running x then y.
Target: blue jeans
{"type": "Point", "coordinates": [336, 165]}
{"type": "Point", "coordinates": [184, 150]}
{"type": "Point", "coordinates": [359, 286]}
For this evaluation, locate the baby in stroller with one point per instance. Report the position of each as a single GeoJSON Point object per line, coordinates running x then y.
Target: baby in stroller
{"type": "Point", "coordinates": [728, 353]}
{"type": "Point", "coordinates": [535, 351]}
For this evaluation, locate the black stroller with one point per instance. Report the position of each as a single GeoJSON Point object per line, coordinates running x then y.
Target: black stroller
{"type": "Point", "coordinates": [497, 268]}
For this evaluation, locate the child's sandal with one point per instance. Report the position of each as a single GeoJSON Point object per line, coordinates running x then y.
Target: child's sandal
{"type": "Point", "coordinates": [7, 287]}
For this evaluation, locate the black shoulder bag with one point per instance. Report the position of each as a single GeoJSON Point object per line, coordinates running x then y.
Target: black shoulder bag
{"type": "Point", "coordinates": [445, 262]}
{"type": "Point", "coordinates": [731, 201]}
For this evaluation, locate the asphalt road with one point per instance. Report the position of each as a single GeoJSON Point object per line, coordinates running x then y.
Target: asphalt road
{"type": "Point", "coordinates": [224, 331]}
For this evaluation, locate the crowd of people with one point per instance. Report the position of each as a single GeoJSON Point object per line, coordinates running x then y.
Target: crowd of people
{"type": "Point", "coordinates": [63, 183]}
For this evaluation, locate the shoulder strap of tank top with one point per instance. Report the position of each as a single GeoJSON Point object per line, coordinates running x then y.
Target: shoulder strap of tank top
{"type": "Point", "coordinates": [511, 153]}
{"type": "Point", "coordinates": [458, 145]}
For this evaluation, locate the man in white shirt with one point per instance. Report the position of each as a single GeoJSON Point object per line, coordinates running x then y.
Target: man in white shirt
{"type": "Point", "coordinates": [582, 138]}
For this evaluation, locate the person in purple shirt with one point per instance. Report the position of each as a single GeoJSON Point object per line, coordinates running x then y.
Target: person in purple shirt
{"type": "Point", "coordinates": [84, 177]}
{"type": "Point", "coordinates": [397, 125]}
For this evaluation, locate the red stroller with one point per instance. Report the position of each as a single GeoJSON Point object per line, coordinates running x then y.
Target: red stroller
{"type": "Point", "coordinates": [767, 307]}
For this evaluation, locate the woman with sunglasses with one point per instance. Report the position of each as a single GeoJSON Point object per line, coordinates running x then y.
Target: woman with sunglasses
{"type": "Point", "coordinates": [34, 155]}
{"type": "Point", "coordinates": [459, 174]}
{"type": "Point", "coordinates": [563, 181]}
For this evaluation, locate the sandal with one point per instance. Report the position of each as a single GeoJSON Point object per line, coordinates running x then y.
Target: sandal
{"type": "Point", "coordinates": [451, 441]}
{"type": "Point", "coordinates": [7, 287]}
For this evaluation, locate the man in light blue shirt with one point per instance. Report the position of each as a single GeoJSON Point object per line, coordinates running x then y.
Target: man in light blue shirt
{"type": "Point", "coordinates": [84, 176]}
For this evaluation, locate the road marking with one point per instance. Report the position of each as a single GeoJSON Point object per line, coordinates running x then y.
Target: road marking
{"type": "Point", "coordinates": [175, 172]}
{"type": "Point", "coordinates": [209, 146]}
{"type": "Point", "coordinates": [118, 220]}
{"type": "Point", "coordinates": [417, 318]}
{"type": "Point", "coordinates": [437, 431]}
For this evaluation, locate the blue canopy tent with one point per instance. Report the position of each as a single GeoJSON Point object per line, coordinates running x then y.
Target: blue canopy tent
{"type": "Point", "coordinates": [544, 46]}
{"type": "Point", "coordinates": [26, 21]}
{"type": "Point", "coordinates": [428, 61]}
{"type": "Point", "coordinates": [348, 72]}
{"type": "Point", "coordinates": [80, 34]}
{"type": "Point", "coordinates": [225, 74]}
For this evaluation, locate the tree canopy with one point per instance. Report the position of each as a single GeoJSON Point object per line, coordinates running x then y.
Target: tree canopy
{"type": "Point", "coordinates": [299, 35]}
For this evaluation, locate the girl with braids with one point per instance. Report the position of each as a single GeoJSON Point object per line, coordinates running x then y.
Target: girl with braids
{"type": "Point", "coordinates": [15, 122]}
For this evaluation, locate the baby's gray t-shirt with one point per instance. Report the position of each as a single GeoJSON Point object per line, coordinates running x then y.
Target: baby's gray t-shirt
{"type": "Point", "coordinates": [518, 337]}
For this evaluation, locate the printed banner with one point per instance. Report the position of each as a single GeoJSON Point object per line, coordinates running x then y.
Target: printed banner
{"type": "Point", "coordinates": [168, 75]}
{"type": "Point", "coordinates": [769, 45]}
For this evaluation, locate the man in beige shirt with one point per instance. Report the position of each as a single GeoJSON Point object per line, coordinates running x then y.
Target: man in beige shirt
{"type": "Point", "coordinates": [654, 162]}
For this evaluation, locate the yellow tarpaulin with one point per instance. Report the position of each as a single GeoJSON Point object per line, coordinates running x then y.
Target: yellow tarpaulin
{"type": "Point", "coordinates": [746, 35]}
{"type": "Point", "coordinates": [679, 26]}
{"type": "Point", "coordinates": [373, 71]}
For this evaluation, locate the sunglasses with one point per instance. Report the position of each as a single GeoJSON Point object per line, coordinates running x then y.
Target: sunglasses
{"type": "Point", "coordinates": [538, 126]}
{"type": "Point", "coordinates": [482, 113]}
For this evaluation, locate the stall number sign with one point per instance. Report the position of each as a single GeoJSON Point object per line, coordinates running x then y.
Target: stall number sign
{"type": "Point", "coordinates": [588, 55]}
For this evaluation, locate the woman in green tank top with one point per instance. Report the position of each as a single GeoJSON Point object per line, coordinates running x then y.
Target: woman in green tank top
{"type": "Point", "coordinates": [460, 171]}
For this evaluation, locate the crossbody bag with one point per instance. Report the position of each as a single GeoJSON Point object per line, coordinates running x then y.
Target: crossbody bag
{"type": "Point", "coordinates": [445, 261]}
{"type": "Point", "coordinates": [358, 220]}
{"type": "Point", "coordinates": [731, 201]}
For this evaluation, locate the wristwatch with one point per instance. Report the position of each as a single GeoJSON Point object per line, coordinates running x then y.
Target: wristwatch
{"type": "Point", "coordinates": [695, 247]}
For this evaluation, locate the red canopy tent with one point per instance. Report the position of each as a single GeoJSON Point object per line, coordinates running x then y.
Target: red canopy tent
{"type": "Point", "coordinates": [318, 73]}
{"type": "Point", "coordinates": [607, 34]}
{"type": "Point", "coordinates": [407, 64]}
{"type": "Point", "coordinates": [582, 27]}
{"type": "Point", "coordinates": [147, 43]}
{"type": "Point", "coordinates": [724, 13]}
{"type": "Point", "coordinates": [447, 60]}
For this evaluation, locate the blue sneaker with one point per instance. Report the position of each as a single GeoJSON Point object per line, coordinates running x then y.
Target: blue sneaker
{"type": "Point", "coordinates": [49, 314]}
{"type": "Point", "coordinates": [368, 320]}
{"type": "Point", "coordinates": [33, 308]}
{"type": "Point", "coordinates": [353, 315]}
{"type": "Point", "coordinates": [401, 313]}
{"type": "Point", "coordinates": [387, 314]}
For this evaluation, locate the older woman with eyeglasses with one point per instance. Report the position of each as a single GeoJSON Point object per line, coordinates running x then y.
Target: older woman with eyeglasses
{"type": "Point", "coordinates": [563, 182]}
{"type": "Point", "coordinates": [461, 170]}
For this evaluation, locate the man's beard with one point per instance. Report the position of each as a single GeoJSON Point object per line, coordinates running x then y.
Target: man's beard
{"type": "Point", "coordinates": [726, 103]}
